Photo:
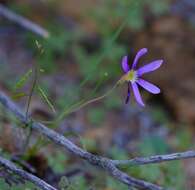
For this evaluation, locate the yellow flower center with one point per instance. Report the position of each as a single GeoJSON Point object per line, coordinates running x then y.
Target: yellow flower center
{"type": "Point", "coordinates": [131, 76]}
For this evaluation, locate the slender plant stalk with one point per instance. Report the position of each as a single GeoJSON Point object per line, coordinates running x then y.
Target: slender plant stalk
{"type": "Point", "coordinates": [80, 105]}
{"type": "Point", "coordinates": [94, 99]}
{"type": "Point", "coordinates": [26, 143]}
{"type": "Point", "coordinates": [32, 90]}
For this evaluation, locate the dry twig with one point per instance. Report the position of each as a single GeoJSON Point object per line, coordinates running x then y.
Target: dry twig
{"type": "Point", "coordinates": [20, 20]}
{"type": "Point", "coordinates": [107, 164]}
{"type": "Point", "coordinates": [156, 158]}
{"type": "Point", "coordinates": [102, 162]}
{"type": "Point", "coordinates": [25, 175]}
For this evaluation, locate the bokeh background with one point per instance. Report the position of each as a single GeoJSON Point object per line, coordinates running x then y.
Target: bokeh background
{"type": "Point", "coordinates": [81, 60]}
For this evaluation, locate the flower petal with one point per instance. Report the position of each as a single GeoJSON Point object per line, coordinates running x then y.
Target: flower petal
{"type": "Point", "coordinates": [125, 65]}
{"type": "Point", "coordinates": [137, 94]}
{"type": "Point", "coordinates": [128, 94]}
{"type": "Point", "coordinates": [138, 55]}
{"type": "Point", "coordinates": [149, 67]}
{"type": "Point", "coordinates": [148, 86]}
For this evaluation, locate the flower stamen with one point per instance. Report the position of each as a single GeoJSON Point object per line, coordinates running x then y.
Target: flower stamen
{"type": "Point", "coordinates": [131, 76]}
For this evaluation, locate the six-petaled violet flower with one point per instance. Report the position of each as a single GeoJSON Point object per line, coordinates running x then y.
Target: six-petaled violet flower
{"type": "Point", "coordinates": [133, 76]}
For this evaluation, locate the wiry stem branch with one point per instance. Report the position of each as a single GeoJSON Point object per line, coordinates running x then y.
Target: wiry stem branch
{"type": "Point", "coordinates": [156, 158]}
{"type": "Point", "coordinates": [102, 162]}
{"type": "Point", "coordinates": [25, 175]}
{"type": "Point", "coordinates": [5, 12]}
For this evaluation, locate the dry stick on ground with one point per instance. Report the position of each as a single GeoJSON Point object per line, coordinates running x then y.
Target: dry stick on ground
{"type": "Point", "coordinates": [156, 159]}
{"type": "Point", "coordinates": [109, 165]}
{"type": "Point", "coordinates": [29, 25]}
{"type": "Point", "coordinates": [25, 175]}
{"type": "Point", "coordinates": [102, 162]}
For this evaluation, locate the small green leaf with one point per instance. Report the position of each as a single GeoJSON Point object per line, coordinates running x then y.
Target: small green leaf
{"type": "Point", "coordinates": [44, 96]}
{"type": "Point", "coordinates": [23, 80]}
{"type": "Point", "coordinates": [42, 70]}
{"type": "Point", "coordinates": [64, 183]}
{"type": "Point", "coordinates": [19, 95]}
{"type": "Point", "coordinates": [39, 46]}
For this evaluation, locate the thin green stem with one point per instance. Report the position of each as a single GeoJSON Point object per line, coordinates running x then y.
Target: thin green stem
{"type": "Point", "coordinates": [93, 100]}
{"type": "Point", "coordinates": [105, 51]}
{"type": "Point", "coordinates": [35, 79]}
{"type": "Point", "coordinates": [32, 90]}
{"type": "Point", "coordinates": [28, 106]}
{"type": "Point", "coordinates": [66, 111]}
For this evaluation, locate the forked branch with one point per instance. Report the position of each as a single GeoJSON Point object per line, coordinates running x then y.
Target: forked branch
{"type": "Point", "coordinates": [111, 166]}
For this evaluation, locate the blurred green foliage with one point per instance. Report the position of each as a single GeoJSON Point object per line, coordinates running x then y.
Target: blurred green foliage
{"type": "Point", "coordinates": [113, 102]}
{"type": "Point", "coordinates": [77, 182]}
{"type": "Point", "coordinates": [160, 115]}
{"type": "Point", "coordinates": [183, 138]}
{"type": "Point", "coordinates": [118, 153]}
{"type": "Point", "coordinates": [158, 172]}
{"type": "Point", "coordinates": [96, 115]}
{"type": "Point", "coordinates": [153, 145]}
{"type": "Point", "coordinates": [168, 174]}
{"type": "Point", "coordinates": [132, 10]}
{"type": "Point", "coordinates": [57, 161]}
{"type": "Point", "coordinates": [26, 186]}
{"type": "Point", "coordinates": [114, 185]}
{"type": "Point", "coordinates": [88, 144]}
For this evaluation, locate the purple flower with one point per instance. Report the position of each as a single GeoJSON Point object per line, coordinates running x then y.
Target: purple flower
{"type": "Point", "coordinates": [134, 76]}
